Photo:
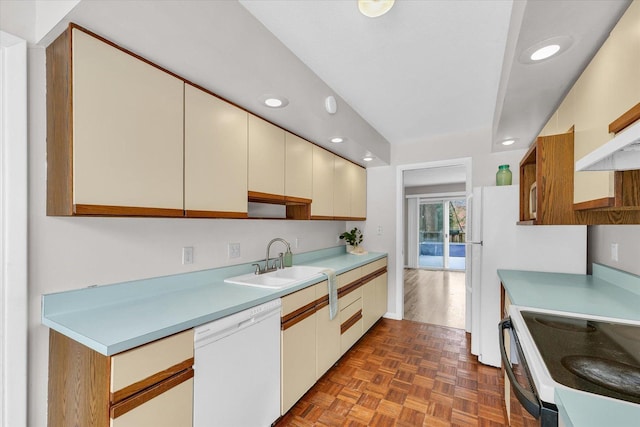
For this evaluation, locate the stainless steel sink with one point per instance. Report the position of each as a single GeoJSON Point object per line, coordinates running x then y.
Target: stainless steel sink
{"type": "Point", "coordinates": [278, 279]}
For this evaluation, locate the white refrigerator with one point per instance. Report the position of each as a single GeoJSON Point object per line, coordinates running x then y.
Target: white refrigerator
{"type": "Point", "coordinates": [494, 213]}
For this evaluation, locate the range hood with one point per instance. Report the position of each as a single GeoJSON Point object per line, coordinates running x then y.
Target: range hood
{"type": "Point", "coordinates": [620, 154]}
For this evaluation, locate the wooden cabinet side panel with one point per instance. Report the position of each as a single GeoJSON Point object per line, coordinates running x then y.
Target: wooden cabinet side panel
{"type": "Point", "coordinates": [554, 177]}
{"type": "Point", "coordinates": [59, 137]}
{"type": "Point", "coordinates": [78, 384]}
{"type": "Point", "coordinates": [215, 154]}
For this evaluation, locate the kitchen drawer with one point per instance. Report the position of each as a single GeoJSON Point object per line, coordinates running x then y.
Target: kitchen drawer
{"type": "Point", "coordinates": [350, 325]}
{"type": "Point", "coordinates": [349, 277]}
{"type": "Point", "coordinates": [298, 300]}
{"type": "Point", "coordinates": [321, 289]}
{"type": "Point", "coordinates": [374, 266]}
{"type": "Point", "coordinates": [171, 407]}
{"type": "Point", "coordinates": [141, 367]}
{"type": "Point", "coordinates": [349, 298]}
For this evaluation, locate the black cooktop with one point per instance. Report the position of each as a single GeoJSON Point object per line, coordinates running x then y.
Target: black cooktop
{"type": "Point", "coordinates": [594, 356]}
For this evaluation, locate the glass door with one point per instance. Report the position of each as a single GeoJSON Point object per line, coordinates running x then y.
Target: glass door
{"type": "Point", "coordinates": [442, 225]}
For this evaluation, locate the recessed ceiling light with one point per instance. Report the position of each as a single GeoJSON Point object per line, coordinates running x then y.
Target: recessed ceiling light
{"type": "Point", "coordinates": [545, 49]}
{"type": "Point", "coordinates": [545, 52]}
{"type": "Point", "coordinates": [508, 141]}
{"type": "Point", "coordinates": [367, 158]}
{"type": "Point", "coordinates": [375, 8]}
{"type": "Point", "coordinates": [274, 101]}
{"type": "Point", "coordinates": [337, 139]}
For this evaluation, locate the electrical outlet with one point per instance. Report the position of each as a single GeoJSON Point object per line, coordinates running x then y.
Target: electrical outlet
{"type": "Point", "coordinates": [234, 250]}
{"type": "Point", "coordinates": [614, 252]}
{"type": "Point", "coordinates": [379, 230]}
{"type": "Point", "coordinates": [187, 255]}
{"type": "Point", "coordinates": [297, 243]}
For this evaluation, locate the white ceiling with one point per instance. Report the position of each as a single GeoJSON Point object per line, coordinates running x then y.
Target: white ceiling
{"type": "Point", "coordinates": [426, 68]}
{"type": "Point", "coordinates": [434, 176]}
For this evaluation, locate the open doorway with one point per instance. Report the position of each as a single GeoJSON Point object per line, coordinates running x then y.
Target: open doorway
{"type": "Point", "coordinates": [434, 215]}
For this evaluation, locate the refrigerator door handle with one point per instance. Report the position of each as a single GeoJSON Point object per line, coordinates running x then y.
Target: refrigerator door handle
{"type": "Point", "coordinates": [474, 243]}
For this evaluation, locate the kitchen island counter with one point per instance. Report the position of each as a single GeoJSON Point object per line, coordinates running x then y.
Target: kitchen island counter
{"type": "Point", "coordinates": [114, 318]}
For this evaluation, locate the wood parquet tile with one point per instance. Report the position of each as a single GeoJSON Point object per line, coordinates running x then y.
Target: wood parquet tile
{"type": "Point", "coordinates": [405, 373]}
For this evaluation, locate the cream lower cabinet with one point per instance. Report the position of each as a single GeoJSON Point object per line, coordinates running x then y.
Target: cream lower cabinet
{"type": "Point", "coordinates": [148, 386]}
{"type": "Point", "coordinates": [351, 325]}
{"type": "Point", "coordinates": [298, 341]}
{"type": "Point", "coordinates": [327, 332]}
{"type": "Point", "coordinates": [215, 156]}
{"type": "Point", "coordinates": [374, 292]}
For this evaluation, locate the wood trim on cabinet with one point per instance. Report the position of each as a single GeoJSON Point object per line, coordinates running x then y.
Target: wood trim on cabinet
{"type": "Point", "coordinates": [350, 287]}
{"type": "Point", "coordinates": [626, 119]}
{"type": "Point", "coordinates": [291, 200]}
{"type": "Point", "coordinates": [190, 213]}
{"type": "Point", "coordinates": [301, 314]}
{"type": "Point", "coordinates": [258, 197]}
{"type": "Point", "coordinates": [322, 217]}
{"type": "Point", "coordinates": [605, 202]}
{"type": "Point", "coordinates": [78, 384]}
{"type": "Point", "coordinates": [344, 327]}
{"type": "Point", "coordinates": [104, 210]}
{"type": "Point", "coordinates": [148, 394]}
{"type": "Point", "coordinates": [301, 212]}
{"type": "Point", "coordinates": [158, 377]}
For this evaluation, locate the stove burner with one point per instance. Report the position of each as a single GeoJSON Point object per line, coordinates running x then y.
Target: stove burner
{"type": "Point", "coordinates": [616, 376]}
{"type": "Point", "coordinates": [572, 325]}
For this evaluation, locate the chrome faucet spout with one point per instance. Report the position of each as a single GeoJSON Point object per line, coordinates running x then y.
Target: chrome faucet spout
{"type": "Point", "coordinates": [266, 260]}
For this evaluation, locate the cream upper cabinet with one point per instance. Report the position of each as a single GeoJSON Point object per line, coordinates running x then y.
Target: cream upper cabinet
{"type": "Point", "coordinates": [322, 205]}
{"type": "Point", "coordinates": [298, 173]}
{"type": "Point", "coordinates": [215, 153]}
{"type": "Point", "coordinates": [358, 191]}
{"type": "Point", "coordinates": [127, 129]}
{"type": "Point", "coordinates": [266, 157]}
{"type": "Point", "coordinates": [341, 188]}
{"type": "Point", "coordinates": [609, 87]}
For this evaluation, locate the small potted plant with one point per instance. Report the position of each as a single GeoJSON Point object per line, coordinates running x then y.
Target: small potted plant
{"type": "Point", "coordinates": [353, 239]}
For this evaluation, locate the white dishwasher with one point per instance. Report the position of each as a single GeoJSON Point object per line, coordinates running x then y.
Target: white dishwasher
{"type": "Point", "coordinates": [237, 369]}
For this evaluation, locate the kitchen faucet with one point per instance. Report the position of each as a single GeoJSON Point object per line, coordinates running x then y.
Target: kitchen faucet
{"type": "Point", "coordinates": [279, 260]}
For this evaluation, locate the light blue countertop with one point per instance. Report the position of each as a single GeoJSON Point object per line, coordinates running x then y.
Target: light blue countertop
{"type": "Point", "coordinates": [578, 409]}
{"type": "Point", "coordinates": [114, 318]}
{"type": "Point", "coordinates": [608, 292]}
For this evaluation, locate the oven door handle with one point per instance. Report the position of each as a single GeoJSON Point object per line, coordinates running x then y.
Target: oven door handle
{"type": "Point", "coordinates": [528, 400]}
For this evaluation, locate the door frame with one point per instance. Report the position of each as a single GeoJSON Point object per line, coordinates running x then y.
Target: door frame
{"type": "Point", "coordinates": [13, 230]}
{"type": "Point", "coordinates": [399, 273]}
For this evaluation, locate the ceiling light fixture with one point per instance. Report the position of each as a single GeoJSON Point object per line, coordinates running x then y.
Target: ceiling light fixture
{"type": "Point", "coordinates": [367, 158]}
{"type": "Point", "coordinates": [274, 101]}
{"type": "Point", "coordinates": [508, 142]}
{"type": "Point", "coordinates": [545, 52]}
{"type": "Point", "coordinates": [337, 139]}
{"type": "Point", "coordinates": [545, 49]}
{"type": "Point", "coordinates": [375, 8]}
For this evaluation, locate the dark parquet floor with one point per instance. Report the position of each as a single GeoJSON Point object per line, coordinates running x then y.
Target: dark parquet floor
{"type": "Point", "coordinates": [405, 373]}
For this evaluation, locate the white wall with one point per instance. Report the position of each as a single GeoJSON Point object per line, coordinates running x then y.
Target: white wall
{"type": "Point", "coordinates": [69, 253]}
{"type": "Point", "coordinates": [381, 182]}
{"type": "Point", "coordinates": [600, 238]}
